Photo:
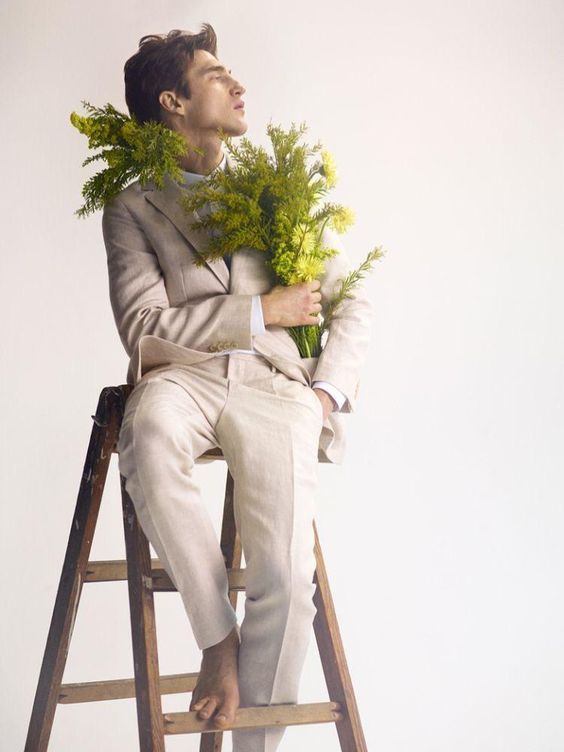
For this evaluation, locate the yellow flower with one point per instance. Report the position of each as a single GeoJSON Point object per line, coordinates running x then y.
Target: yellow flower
{"type": "Point", "coordinates": [305, 269]}
{"type": "Point", "coordinates": [328, 168]}
{"type": "Point", "coordinates": [129, 131]}
{"type": "Point", "coordinates": [77, 121]}
{"type": "Point", "coordinates": [342, 219]}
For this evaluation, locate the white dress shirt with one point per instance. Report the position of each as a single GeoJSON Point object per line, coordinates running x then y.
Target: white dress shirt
{"type": "Point", "coordinates": [257, 320]}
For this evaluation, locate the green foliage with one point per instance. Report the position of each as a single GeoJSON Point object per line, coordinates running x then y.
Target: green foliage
{"type": "Point", "coordinates": [272, 203]}
{"type": "Point", "coordinates": [130, 150]}
{"type": "Point", "coordinates": [268, 202]}
{"type": "Point", "coordinates": [349, 282]}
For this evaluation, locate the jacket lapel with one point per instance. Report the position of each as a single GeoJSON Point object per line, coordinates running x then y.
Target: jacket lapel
{"type": "Point", "coordinates": [167, 202]}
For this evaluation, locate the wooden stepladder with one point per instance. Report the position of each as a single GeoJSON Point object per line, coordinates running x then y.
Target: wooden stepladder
{"type": "Point", "coordinates": [146, 576]}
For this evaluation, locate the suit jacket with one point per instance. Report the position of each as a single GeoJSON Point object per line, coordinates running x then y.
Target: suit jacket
{"type": "Point", "coordinates": [168, 310]}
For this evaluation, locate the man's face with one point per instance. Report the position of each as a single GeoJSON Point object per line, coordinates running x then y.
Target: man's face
{"type": "Point", "coordinates": [215, 95]}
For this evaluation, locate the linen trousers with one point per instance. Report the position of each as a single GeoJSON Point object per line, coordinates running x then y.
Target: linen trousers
{"type": "Point", "coordinates": [268, 428]}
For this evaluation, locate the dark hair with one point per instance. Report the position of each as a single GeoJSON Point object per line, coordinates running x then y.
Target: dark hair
{"type": "Point", "coordinates": [160, 65]}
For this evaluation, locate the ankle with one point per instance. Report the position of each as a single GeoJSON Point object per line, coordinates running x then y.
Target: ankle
{"type": "Point", "coordinates": [232, 638]}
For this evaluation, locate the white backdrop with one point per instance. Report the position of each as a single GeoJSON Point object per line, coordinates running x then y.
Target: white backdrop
{"type": "Point", "coordinates": [443, 530]}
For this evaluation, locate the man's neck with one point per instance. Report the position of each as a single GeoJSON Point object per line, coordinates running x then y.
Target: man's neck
{"type": "Point", "coordinates": [202, 164]}
{"type": "Point", "coordinates": [190, 178]}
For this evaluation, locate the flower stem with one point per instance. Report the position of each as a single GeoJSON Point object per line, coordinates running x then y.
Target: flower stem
{"type": "Point", "coordinates": [307, 339]}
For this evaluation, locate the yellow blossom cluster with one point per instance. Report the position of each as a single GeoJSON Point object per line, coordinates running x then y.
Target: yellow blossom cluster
{"type": "Point", "coordinates": [342, 219]}
{"type": "Point", "coordinates": [328, 168]}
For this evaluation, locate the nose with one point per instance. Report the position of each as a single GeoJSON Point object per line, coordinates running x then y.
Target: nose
{"type": "Point", "coordinates": [239, 88]}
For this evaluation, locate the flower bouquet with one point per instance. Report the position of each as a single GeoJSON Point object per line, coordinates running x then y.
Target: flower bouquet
{"type": "Point", "coordinates": [272, 204]}
{"type": "Point", "coordinates": [268, 203]}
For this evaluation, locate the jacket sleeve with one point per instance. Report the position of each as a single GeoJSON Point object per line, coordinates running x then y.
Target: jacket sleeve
{"type": "Point", "coordinates": [348, 333]}
{"type": "Point", "coordinates": [140, 303]}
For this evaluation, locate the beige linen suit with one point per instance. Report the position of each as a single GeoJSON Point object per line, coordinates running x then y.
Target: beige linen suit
{"type": "Point", "coordinates": [173, 317]}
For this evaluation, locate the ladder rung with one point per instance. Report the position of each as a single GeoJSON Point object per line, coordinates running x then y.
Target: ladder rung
{"type": "Point", "coordinates": [256, 717]}
{"type": "Point", "coordinates": [115, 570]}
{"type": "Point", "coordinates": [119, 689]}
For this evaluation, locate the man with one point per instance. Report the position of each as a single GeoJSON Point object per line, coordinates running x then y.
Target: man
{"type": "Point", "coordinates": [213, 365]}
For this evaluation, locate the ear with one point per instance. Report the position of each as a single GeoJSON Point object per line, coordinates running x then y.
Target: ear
{"type": "Point", "coordinates": [170, 103]}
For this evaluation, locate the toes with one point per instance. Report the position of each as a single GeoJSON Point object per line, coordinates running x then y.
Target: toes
{"type": "Point", "coordinates": [226, 713]}
{"type": "Point", "coordinates": [207, 710]}
{"type": "Point", "coordinates": [197, 704]}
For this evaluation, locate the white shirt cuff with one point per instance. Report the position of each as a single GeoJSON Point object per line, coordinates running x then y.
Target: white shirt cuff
{"type": "Point", "coordinates": [337, 395]}
{"type": "Point", "coordinates": [257, 319]}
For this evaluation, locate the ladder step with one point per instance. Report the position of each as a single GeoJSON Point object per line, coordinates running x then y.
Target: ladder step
{"type": "Point", "coordinates": [119, 689]}
{"type": "Point", "coordinates": [257, 717]}
{"type": "Point", "coordinates": [187, 722]}
{"type": "Point", "coordinates": [115, 570]}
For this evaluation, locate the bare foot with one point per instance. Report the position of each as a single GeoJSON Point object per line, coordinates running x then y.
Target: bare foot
{"type": "Point", "coordinates": [217, 689]}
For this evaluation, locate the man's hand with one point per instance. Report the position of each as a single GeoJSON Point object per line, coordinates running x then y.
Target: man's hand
{"type": "Point", "coordinates": [292, 305]}
{"type": "Point", "coordinates": [327, 401]}
{"type": "Point", "coordinates": [296, 305]}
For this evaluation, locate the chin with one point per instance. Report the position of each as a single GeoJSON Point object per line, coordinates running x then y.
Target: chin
{"type": "Point", "coordinates": [236, 129]}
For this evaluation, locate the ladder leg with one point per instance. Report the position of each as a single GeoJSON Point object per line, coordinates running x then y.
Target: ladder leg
{"type": "Point", "coordinates": [231, 548]}
{"type": "Point", "coordinates": [143, 631]}
{"type": "Point", "coordinates": [332, 654]}
{"type": "Point", "coordinates": [102, 441]}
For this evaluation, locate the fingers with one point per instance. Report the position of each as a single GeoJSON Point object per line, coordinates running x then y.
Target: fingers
{"type": "Point", "coordinates": [315, 307]}
{"type": "Point", "coordinates": [294, 305]}
{"type": "Point", "coordinates": [315, 293]}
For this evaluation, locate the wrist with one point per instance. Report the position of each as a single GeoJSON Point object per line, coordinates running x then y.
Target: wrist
{"type": "Point", "coordinates": [266, 309]}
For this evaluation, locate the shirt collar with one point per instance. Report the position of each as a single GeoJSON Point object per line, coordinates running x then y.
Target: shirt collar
{"type": "Point", "coordinates": [189, 178]}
